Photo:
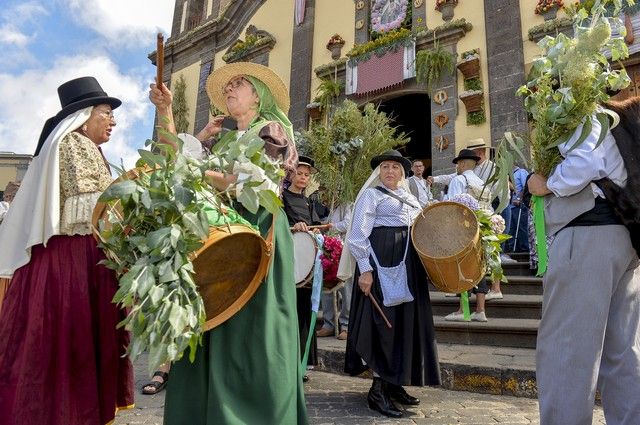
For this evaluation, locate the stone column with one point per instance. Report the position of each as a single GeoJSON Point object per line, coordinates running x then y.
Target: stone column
{"type": "Point", "coordinates": [506, 67]}
{"type": "Point", "coordinates": [301, 67]}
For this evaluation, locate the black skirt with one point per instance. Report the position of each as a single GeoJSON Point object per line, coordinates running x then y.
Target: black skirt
{"type": "Point", "coordinates": [407, 353]}
{"type": "Point", "coordinates": [303, 297]}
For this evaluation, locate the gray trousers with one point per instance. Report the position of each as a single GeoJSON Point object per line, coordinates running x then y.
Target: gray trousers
{"type": "Point", "coordinates": [327, 307]}
{"type": "Point", "coordinates": [589, 334]}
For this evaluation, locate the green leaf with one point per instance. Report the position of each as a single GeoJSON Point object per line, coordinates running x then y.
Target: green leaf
{"type": "Point", "coordinates": [270, 201]}
{"type": "Point", "coordinates": [603, 119]}
{"type": "Point", "coordinates": [155, 294]}
{"type": "Point", "coordinates": [195, 225]}
{"type": "Point", "coordinates": [118, 190]}
{"type": "Point", "coordinates": [177, 318]}
{"type": "Point", "coordinates": [249, 199]}
{"type": "Point", "coordinates": [151, 158]}
{"type": "Point", "coordinates": [586, 130]}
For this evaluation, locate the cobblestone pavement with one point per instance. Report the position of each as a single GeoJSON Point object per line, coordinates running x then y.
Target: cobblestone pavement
{"type": "Point", "coordinates": [337, 399]}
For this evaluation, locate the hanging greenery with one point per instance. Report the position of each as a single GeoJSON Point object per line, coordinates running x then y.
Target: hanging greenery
{"type": "Point", "coordinates": [328, 92]}
{"type": "Point", "coordinates": [343, 149]}
{"type": "Point", "coordinates": [389, 41]}
{"type": "Point", "coordinates": [477, 117]}
{"type": "Point", "coordinates": [432, 64]}
{"type": "Point", "coordinates": [179, 106]}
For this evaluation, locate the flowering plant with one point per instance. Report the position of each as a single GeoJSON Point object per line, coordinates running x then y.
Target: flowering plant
{"type": "Point", "coordinates": [388, 15]}
{"type": "Point", "coordinates": [440, 3]}
{"type": "Point", "coordinates": [330, 258]}
{"type": "Point", "coordinates": [546, 5]}
{"type": "Point", "coordinates": [491, 237]}
{"type": "Point", "coordinates": [335, 39]}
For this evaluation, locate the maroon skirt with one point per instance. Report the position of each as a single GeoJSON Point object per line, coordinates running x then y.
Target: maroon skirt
{"type": "Point", "coordinates": [60, 352]}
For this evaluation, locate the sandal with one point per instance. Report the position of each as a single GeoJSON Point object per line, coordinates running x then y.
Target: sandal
{"type": "Point", "coordinates": [157, 386]}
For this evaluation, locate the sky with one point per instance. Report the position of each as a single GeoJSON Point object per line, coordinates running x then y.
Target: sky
{"type": "Point", "coordinates": [44, 43]}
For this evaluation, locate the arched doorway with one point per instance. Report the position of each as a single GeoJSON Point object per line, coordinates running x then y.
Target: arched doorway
{"type": "Point", "coordinates": [410, 113]}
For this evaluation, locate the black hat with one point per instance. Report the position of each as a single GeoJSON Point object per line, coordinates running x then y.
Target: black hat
{"type": "Point", "coordinates": [392, 155]}
{"type": "Point", "coordinates": [75, 95]}
{"type": "Point", "coordinates": [466, 154]}
{"type": "Point", "coordinates": [309, 162]}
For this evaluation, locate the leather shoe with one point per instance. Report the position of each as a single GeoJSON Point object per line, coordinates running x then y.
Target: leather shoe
{"type": "Point", "coordinates": [379, 400]}
{"type": "Point", "coordinates": [343, 335]}
{"type": "Point", "coordinates": [399, 394]}
{"type": "Point", "coordinates": [324, 332]}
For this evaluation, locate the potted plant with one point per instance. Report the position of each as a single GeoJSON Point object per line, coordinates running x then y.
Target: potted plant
{"type": "Point", "coordinates": [470, 64]}
{"type": "Point", "coordinates": [432, 64]}
{"type": "Point", "coordinates": [472, 100]}
{"type": "Point", "coordinates": [446, 8]}
{"type": "Point", "coordinates": [548, 8]}
{"type": "Point", "coordinates": [314, 110]}
{"type": "Point", "coordinates": [334, 45]}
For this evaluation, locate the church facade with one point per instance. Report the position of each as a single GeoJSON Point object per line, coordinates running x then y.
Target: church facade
{"type": "Point", "coordinates": [491, 42]}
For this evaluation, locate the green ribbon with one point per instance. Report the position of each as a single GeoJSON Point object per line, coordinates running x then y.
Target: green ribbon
{"type": "Point", "coordinates": [231, 216]}
{"type": "Point", "coordinates": [466, 311]}
{"type": "Point", "coordinates": [541, 233]}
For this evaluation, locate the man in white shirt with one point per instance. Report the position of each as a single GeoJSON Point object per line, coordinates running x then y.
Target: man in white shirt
{"type": "Point", "coordinates": [589, 335]}
{"type": "Point", "coordinates": [461, 184]}
{"type": "Point", "coordinates": [418, 185]}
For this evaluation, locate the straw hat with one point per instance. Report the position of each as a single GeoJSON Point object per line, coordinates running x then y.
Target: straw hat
{"type": "Point", "coordinates": [478, 143]}
{"type": "Point", "coordinates": [221, 76]}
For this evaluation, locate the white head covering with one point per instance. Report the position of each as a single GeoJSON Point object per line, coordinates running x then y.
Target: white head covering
{"type": "Point", "coordinates": [34, 216]}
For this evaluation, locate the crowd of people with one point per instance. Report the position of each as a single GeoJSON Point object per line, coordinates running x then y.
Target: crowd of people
{"type": "Point", "coordinates": [61, 352]}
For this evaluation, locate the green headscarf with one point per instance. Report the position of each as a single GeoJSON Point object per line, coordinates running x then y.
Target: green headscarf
{"type": "Point", "coordinates": [268, 109]}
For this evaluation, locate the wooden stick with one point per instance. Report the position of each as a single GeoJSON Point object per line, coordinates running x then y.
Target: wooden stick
{"type": "Point", "coordinates": [160, 59]}
{"type": "Point", "coordinates": [375, 304]}
{"type": "Point", "coordinates": [319, 226]}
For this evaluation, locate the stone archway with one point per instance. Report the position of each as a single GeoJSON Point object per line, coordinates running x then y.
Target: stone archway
{"type": "Point", "coordinates": [411, 113]}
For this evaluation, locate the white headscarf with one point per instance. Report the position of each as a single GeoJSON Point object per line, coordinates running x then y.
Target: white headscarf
{"type": "Point", "coordinates": [34, 216]}
{"type": "Point", "coordinates": [347, 265]}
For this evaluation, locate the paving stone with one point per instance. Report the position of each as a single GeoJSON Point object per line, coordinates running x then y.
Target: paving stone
{"type": "Point", "coordinates": [334, 399]}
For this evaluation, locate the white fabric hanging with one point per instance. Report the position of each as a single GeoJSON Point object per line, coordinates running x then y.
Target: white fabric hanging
{"type": "Point", "coordinates": [34, 216]}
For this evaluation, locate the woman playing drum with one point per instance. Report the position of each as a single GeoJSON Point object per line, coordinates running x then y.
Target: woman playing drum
{"type": "Point", "coordinates": [301, 214]}
{"type": "Point", "coordinates": [247, 370]}
{"type": "Point", "coordinates": [404, 354]}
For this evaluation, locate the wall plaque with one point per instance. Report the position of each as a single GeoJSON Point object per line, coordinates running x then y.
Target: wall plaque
{"type": "Point", "coordinates": [441, 120]}
{"type": "Point", "coordinates": [440, 97]}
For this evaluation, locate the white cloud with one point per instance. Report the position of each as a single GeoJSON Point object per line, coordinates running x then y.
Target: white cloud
{"type": "Point", "coordinates": [29, 98]}
{"type": "Point", "coordinates": [125, 22]}
{"type": "Point", "coordinates": [9, 34]}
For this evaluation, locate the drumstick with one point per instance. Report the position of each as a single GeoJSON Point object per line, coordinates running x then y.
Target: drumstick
{"type": "Point", "coordinates": [375, 304]}
{"type": "Point", "coordinates": [318, 226]}
{"type": "Point", "coordinates": [160, 60]}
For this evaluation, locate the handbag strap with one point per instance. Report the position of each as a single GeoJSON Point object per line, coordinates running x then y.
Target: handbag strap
{"type": "Point", "coordinates": [393, 195]}
{"type": "Point", "coordinates": [406, 250]}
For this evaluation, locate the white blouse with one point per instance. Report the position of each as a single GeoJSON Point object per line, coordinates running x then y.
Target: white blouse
{"type": "Point", "coordinates": [377, 209]}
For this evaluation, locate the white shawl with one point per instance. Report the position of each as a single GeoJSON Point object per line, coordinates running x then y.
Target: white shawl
{"type": "Point", "coordinates": [34, 216]}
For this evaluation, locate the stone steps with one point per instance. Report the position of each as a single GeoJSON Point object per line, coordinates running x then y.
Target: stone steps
{"type": "Point", "coordinates": [514, 332]}
{"type": "Point", "coordinates": [511, 306]}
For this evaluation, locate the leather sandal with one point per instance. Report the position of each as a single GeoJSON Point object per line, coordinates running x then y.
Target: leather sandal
{"type": "Point", "coordinates": [156, 386]}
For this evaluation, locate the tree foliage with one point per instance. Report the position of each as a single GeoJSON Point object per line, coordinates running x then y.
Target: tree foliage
{"type": "Point", "coordinates": [179, 107]}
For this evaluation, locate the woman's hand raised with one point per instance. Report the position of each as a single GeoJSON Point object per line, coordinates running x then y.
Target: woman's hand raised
{"type": "Point", "coordinates": [161, 97]}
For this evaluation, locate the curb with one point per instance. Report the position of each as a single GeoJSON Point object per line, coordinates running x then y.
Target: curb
{"type": "Point", "coordinates": [458, 377]}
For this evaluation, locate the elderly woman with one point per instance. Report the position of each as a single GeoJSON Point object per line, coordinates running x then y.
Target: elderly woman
{"type": "Point", "coordinates": [247, 369]}
{"type": "Point", "coordinates": [60, 352]}
{"type": "Point", "coordinates": [379, 240]}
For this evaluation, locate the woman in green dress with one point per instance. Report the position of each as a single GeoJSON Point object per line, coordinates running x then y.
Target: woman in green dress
{"type": "Point", "coordinates": [247, 369]}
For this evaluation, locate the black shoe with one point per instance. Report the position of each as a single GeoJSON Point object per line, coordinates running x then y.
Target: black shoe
{"type": "Point", "coordinates": [398, 393]}
{"type": "Point", "coordinates": [305, 378]}
{"type": "Point", "coordinates": [379, 400]}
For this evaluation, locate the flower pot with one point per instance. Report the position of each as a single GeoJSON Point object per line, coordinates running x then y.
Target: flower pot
{"type": "Point", "coordinates": [472, 100]}
{"type": "Point", "coordinates": [447, 11]}
{"type": "Point", "coordinates": [336, 50]}
{"type": "Point", "coordinates": [550, 14]}
{"type": "Point", "coordinates": [470, 68]}
{"type": "Point", "coordinates": [314, 111]}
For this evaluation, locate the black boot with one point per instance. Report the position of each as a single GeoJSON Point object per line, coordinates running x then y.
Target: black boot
{"type": "Point", "coordinates": [398, 393]}
{"type": "Point", "coordinates": [379, 399]}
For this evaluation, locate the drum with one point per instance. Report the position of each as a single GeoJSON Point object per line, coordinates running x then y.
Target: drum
{"type": "Point", "coordinates": [446, 236]}
{"type": "Point", "coordinates": [304, 257]}
{"type": "Point", "coordinates": [229, 267]}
